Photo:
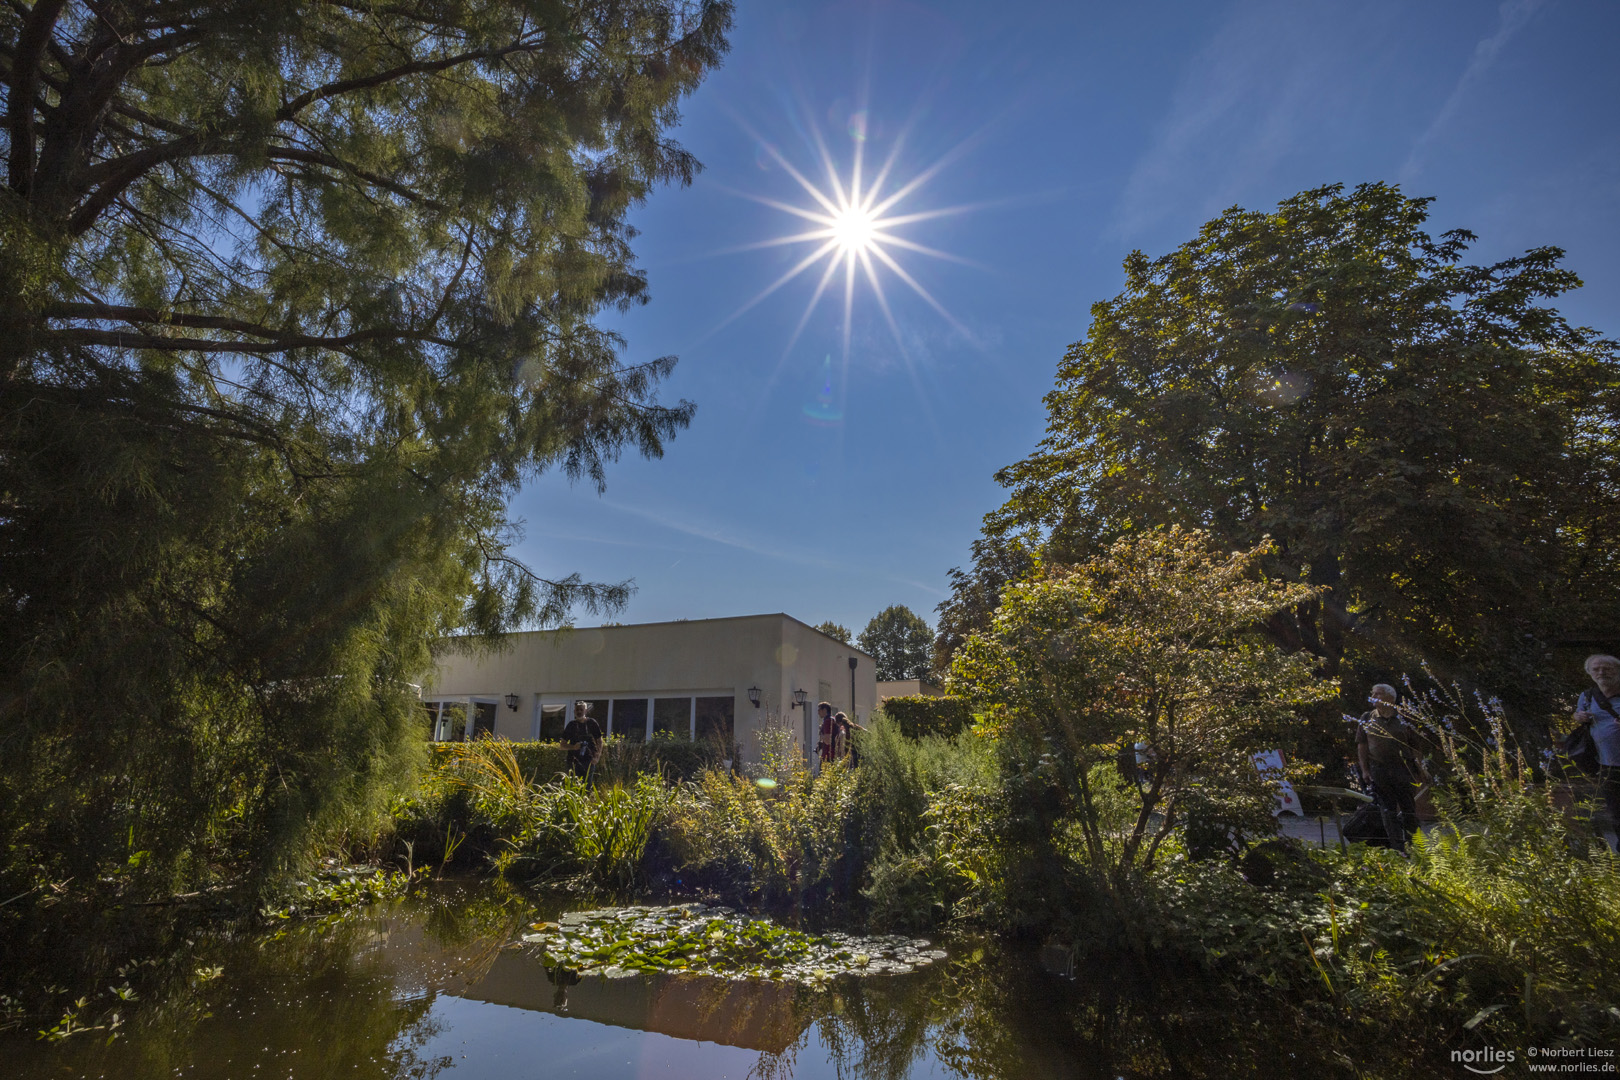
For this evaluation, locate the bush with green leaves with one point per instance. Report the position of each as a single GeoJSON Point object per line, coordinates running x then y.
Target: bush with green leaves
{"type": "Point", "coordinates": [927, 804]}
{"type": "Point", "coordinates": [1154, 649]}
{"type": "Point", "coordinates": [922, 714]}
{"type": "Point", "coordinates": [1501, 926]}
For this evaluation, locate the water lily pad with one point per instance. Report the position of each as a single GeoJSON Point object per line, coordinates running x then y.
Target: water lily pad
{"type": "Point", "coordinates": [696, 938]}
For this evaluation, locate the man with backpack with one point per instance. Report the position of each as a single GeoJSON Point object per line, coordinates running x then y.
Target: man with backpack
{"type": "Point", "coordinates": [1599, 710]}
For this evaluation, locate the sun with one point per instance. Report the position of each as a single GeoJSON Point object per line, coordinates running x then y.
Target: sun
{"type": "Point", "coordinates": [851, 221]}
{"type": "Point", "coordinates": [854, 229]}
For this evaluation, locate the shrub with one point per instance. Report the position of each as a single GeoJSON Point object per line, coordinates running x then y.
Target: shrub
{"type": "Point", "coordinates": [926, 804]}
{"type": "Point", "coordinates": [781, 836]}
{"type": "Point", "coordinates": [609, 826]}
{"type": "Point", "coordinates": [1157, 643]}
{"type": "Point", "coordinates": [920, 715]}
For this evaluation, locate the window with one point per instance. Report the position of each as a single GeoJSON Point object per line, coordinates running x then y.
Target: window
{"type": "Point", "coordinates": [553, 718]}
{"type": "Point", "coordinates": [630, 718]}
{"type": "Point", "coordinates": [452, 718]}
{"type": "Point", "coordinates": [715, 723]}
{"type": "Point", "coordinates": [598, 710]}
{"type": "Point", "coordinates": [672, 716]}
{"type": "Point", "coordinates": [484, 720]}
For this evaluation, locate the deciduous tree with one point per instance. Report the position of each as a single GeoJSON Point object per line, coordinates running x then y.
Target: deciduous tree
{"type": "Point", "coordinates": [1427, 442]}
{"type": "Point", "coordinates": [835, 630]}
{"type": "Point", "coordinates": [899, 640]}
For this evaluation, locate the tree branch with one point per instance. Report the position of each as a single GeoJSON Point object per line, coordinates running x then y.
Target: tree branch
{"type": "Point", "coordinates": [31, 44]}
{"type": "Point", "coordinates": [312, 157]}
{"type": "Point", "coordinates": [420, 67]}
{"type": "Point", "coordinates": [278, 340]}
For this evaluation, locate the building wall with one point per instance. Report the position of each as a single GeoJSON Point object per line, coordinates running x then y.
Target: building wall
{"type": "Point", "coordinates": [704, 657]}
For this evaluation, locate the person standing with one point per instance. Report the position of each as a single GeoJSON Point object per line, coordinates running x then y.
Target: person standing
{"type": "Point", "coordinates": [850, 728]}
{"type": "Point", "coordinates": [1387, 752]}
{"type": "Point", "coordinates": [826, 741]}
{"type": "Point", "coordinates": [583, 737]}
{"type": "Point", "coordinates": [1600, 707]}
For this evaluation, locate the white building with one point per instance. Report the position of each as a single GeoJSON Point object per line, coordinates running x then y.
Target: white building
{"type": "Point", "coordinates": [720, 679]}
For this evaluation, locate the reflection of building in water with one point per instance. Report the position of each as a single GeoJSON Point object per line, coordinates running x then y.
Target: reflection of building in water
{"type": "Point", "coordinates": [750, 1015]}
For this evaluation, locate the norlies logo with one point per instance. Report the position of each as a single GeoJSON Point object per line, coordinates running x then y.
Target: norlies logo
{"type": "Point", "coordinates": [1490, 1056]}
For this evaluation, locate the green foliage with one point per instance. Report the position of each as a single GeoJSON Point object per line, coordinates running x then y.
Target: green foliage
{"type": "Point", "coordinates": [1330, 376]}
{"type": "Point", "coordinates": [534, 821]}
{"type": "Point", "coordinates": [292, 297]}
{"type": "Point", "coordinates": [1154, 644]}
{"type": "Point", "coordinates": [610, 826]}
{"type": "Point", "coordinates": [338, 890]}
{"type": "Point", "coordinates": [836, 630]}
{"type": "Point", "coordinates": [920, 715]}
{"type": "Point", "coordinates": [998, 560]}
{"type": "Point", "coordinates": [929, 804]}
{"type": "Point", "coordinates": [783, 838]}
{"type": "Point", "coordinates": [899, 640]}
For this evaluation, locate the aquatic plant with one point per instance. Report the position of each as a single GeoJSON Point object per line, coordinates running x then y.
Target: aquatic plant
{"type": "Point", "coordinates": [335, 890]}
{"type": "Point", "coordinates": [700, 939]}
{"type": "Point", "coordinates": [610, 826]}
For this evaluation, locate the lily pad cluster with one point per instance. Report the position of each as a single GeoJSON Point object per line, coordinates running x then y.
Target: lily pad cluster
{"type": "Point", "coordinates": [698, 938]}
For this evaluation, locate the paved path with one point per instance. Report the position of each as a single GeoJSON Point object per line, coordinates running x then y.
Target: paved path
{"type": "Point", "coordinates": [1326, 834]}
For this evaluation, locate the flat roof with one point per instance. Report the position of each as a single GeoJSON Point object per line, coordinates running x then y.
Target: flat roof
{"type": "Point", "coordinates": [693, 622]}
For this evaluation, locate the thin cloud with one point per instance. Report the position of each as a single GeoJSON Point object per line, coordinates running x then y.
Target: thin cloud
{"type": "Point", "coordinates": [752, 546]}
{"type": "Point", "coordinates": [1265, 79]}
{"type": "Point", "coordinates": [1511, 18]}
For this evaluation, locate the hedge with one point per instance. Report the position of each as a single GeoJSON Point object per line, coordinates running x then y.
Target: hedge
{"type": "Point", "coordinates": [680, 759]}
{"type": "Point", "coordinates": [921, 715]}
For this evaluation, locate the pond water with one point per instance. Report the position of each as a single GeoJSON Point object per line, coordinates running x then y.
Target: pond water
{"type": "Point", "coordinates": [442, 985]}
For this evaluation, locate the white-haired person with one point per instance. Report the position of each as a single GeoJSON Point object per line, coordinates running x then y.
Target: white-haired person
{"type": "Point", "coordinates": [1600, 707]}
{"type": "Point", "coordinates": [1389, 752]}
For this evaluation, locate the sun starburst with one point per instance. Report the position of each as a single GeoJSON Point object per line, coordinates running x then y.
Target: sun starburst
{"type": "Point", "coordinates": [851, 225]}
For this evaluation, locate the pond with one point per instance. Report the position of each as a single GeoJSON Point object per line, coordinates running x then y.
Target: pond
{"type": "Point", "coordinates": [444, 984]}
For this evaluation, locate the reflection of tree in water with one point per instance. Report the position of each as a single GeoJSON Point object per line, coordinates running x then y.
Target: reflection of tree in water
{"type": "Point", "coordinates": [312, 1000]}
{"type": "Point", "coordinates": [990, 1015]}
{"type": "Point", "coordinates": [1007, 1020]}
{"type": "Point", "coordinates": [879, 1027]}
{"type": "Point", "coordinates": [870, 1027]}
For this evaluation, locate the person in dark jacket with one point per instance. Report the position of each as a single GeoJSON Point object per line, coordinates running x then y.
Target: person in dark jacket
{"type": "Point", "coordinates": [1388, 750]}
{"type": "Point", "coordinates": [583, 736]}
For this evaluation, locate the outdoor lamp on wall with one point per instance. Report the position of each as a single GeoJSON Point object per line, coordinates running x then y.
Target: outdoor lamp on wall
{"type": "Point", "coordinates": [753, 695]}
{"type": "Point", "coordinates": [799, 698]}
{"type": "Point", "coordinates": [512, 702]}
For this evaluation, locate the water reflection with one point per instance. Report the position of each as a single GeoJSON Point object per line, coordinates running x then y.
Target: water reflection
{"type": "Point", "coordinates": [432, 987]}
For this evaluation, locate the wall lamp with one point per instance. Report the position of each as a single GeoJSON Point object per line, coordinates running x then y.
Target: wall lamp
{"type": "Point", "coordinates": [799, 698]}
{"type": "Point", "coordinates": [512, 701]}
{"type": "Point", "coordinates": [753, 695]}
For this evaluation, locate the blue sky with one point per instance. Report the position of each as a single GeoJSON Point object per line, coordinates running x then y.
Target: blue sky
{"type": "Point", "coordinates": [831, 485]}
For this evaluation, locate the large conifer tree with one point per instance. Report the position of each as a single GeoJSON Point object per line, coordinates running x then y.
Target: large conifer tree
{"type": "Point", "coordinates": [292, 296]}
